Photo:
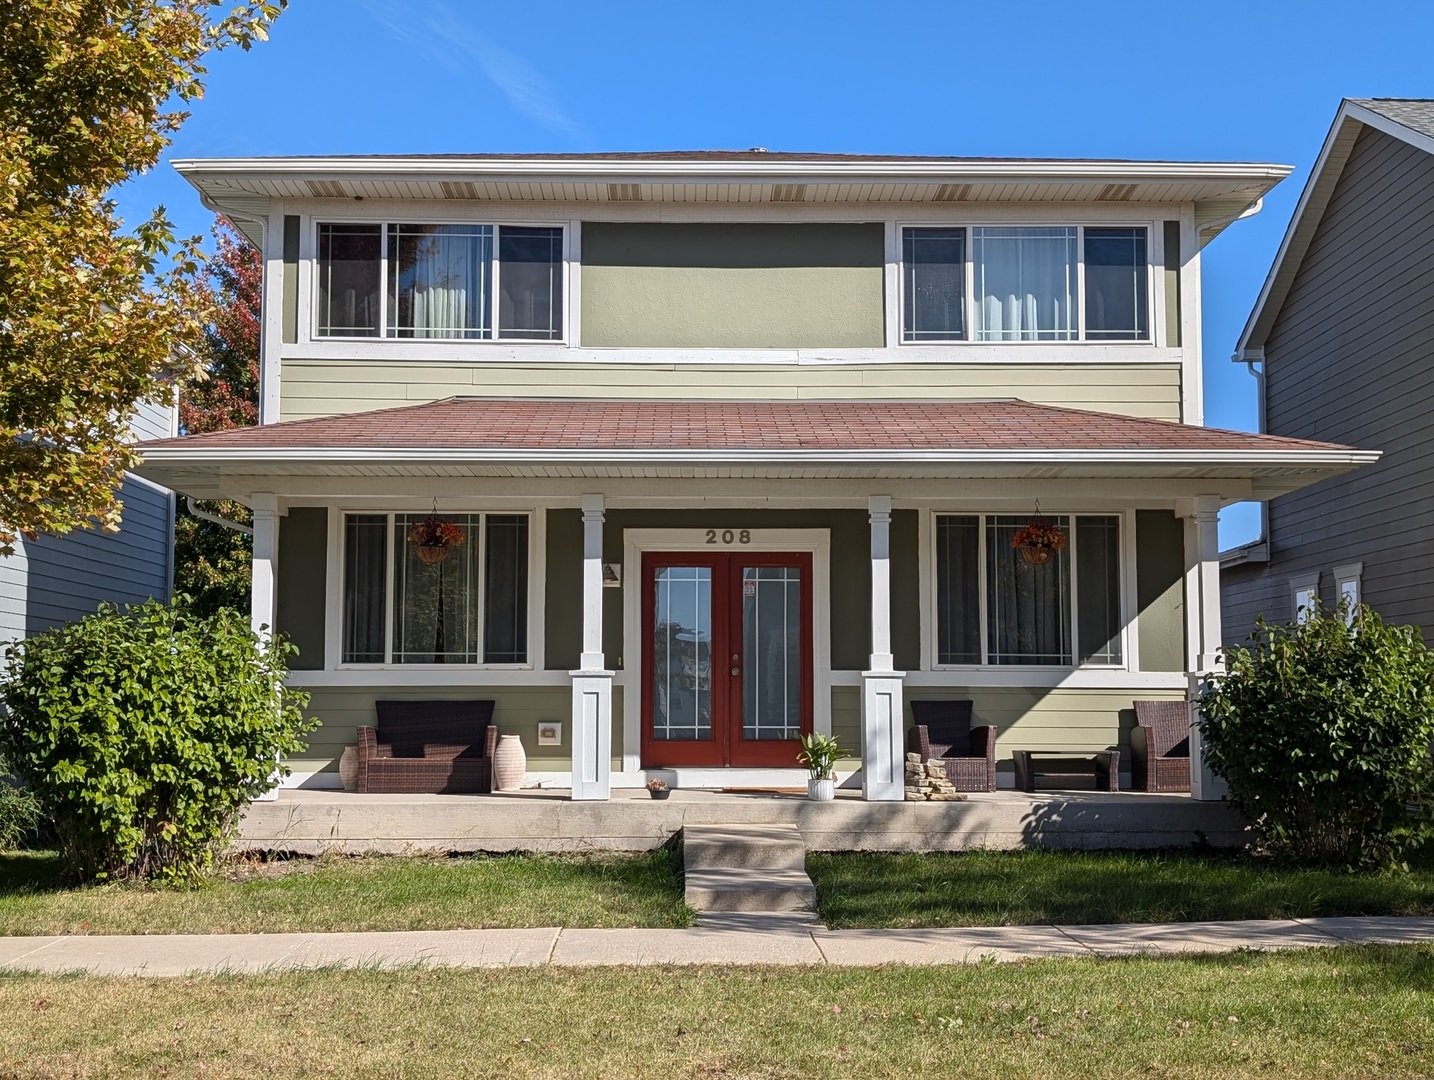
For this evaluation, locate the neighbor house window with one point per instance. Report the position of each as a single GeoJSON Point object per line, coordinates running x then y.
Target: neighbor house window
{"type": "Point", "coordinates": [454, 282]}
{"type": "Point", "coordinates": [1306, 597]}
{"type": "Point", "coordinates": [470, 607]}
{"type": "Point", "coordinates": [1347, 586]}
{"type": "Point", "coordinates": [995, 607]}
{"type": "Point", "coordinates": [1025, 283]}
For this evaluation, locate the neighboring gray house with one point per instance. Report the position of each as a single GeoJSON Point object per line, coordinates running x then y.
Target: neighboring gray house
{"type": "Point", "coordinates": [1344, 334]}
{"type": "Point", "coordinates": [55, 579]}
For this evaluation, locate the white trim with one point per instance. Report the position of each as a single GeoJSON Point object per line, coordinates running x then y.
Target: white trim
{"type": "Point", "coordinates": [635, 542]}
{"type": "Point", "coordinates": [1192, 390]}
{"type": "Point", "coordinates": [338, 673]}
{"type": "Point", "coordinates": [271, 325]}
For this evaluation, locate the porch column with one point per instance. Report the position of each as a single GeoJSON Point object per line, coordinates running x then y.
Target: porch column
{"type": "Point", "coordinates": [592, 682]}
{"type": "Point", "coordinates": [883, 757]}
{"type": "Point", "coordinates": [263, 566]}
{"type": "Point", "coordinates": [1202, 627]}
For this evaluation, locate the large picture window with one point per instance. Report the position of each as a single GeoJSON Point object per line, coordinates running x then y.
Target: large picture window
{"type": "Point", "coordinates": [455, 282]}
{"type": "Point", "coordinates": [1025, 283]}
{"type": "Point", "coordinates": [469, 607]}
{"type": "Point", "coordinates": [993, 606]}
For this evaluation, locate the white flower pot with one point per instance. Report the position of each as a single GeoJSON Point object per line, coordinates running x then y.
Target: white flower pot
{"type": "Point", "coordinates": [821, 790]}
{"type": "Point", "coordinates": [509, 763]}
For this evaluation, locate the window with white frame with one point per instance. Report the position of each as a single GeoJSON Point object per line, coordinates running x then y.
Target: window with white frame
{"type": "Point", "coordinates": [462, 282]}
{"type": "Point", "coordinates": [994, 606]}
{"type": "Point", "coordinates": [468, 607]}
{"type": "Point", "coordinates": [1305, 592]}
{"type": "Point", "coordinates": [1025, 283]}
{"type": "Point", "coordinates": [1347, 587]}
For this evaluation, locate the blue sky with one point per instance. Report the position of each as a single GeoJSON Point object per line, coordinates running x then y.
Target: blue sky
{"type": "Point", "coordinates": [1248, 81]}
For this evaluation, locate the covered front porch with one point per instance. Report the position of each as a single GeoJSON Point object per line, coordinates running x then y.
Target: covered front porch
{"type": "Point", "coordinates": [617, 558]}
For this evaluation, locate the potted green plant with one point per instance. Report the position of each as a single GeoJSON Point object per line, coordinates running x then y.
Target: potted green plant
{"type": "Point", "coordinates": [819, 754]}
{"type": "Point", "coordinates": [658, 789]}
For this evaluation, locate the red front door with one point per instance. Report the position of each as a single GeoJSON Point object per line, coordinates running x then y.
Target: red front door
{"type": "Point", "coordinates": [727, 658]}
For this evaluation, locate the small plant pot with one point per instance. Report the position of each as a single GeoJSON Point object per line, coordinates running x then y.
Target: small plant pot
{"type": "Point", "coordinates": [1038, 556]}
{"type": "Point", "coordinates": [660, 794]}
{"type": "Point", "coordinates": [821, 790]}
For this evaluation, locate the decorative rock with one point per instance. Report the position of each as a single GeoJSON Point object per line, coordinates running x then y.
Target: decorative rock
{"type": "Point", "coordinates": [914, 757]}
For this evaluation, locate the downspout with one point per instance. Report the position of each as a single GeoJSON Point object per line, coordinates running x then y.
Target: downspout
{"type": "Point", "coordinates": [205, 515]}
{"type": "Point", "coordinates": [1254, 361]}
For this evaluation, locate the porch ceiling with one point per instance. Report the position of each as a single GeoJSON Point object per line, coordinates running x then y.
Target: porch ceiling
{"type": "Point", "coordinates": [746, 440]}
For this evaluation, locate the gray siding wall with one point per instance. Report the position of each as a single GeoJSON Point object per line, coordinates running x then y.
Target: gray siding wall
{"type": "Point", "coordinates": [56, 579]}
{"type": "Point", "coordinates": [1351, 360]}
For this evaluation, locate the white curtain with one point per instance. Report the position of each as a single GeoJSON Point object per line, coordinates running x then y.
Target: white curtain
{"type": "Point", "coordinates": [1025, 284]}
{"type": "Point", "coordinates": [443, 280]}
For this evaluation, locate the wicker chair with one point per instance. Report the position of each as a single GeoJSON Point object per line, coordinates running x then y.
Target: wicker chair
{"type": "Point", "coordinates": [943, 730]}
{"type": "Point", "coordinates": [1160, 746]}
{"type": "Point", "coordinates": [428, 747]}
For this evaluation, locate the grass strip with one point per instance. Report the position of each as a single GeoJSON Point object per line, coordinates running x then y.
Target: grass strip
{"type": "Point", "coordinates": [1343, 1012]}
{"type": "Point", "coordinates": [339, 893]}
{"type": "Point", "coordinates": [991, 888]}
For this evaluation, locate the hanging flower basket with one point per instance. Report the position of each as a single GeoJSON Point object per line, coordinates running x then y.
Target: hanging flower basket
{"type": "Point", "coordinates": [433, 538]}
{"type": "Point", "coordinates": [1038, 541]}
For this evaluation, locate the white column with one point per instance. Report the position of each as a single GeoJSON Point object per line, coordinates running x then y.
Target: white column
{"type": "Point", "coordinates": [264, 563]}
{"type": "Point", "coordinates": [592, 682]}
{"type": "Point", "coordinates": [1202, 627]}
{"type": "Point", "coordinates": [883, 757]}
{"type": "Point", "coordinates": [263, 567]}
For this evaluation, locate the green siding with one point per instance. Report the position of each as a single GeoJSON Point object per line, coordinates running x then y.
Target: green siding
{"type": "Point", "coordinates": [846, 724]}
{"type": "Point", "coordinates": [905, 589]}
{"type": "Point", "coordinates": [1049, 719]}
{"type": "Point", "coordinates": [563, 610]}
{"type": "Point", "coordinates": [1172, 283]}
{"type": "Point", "coordinates": [1159, 574]}
{"type": "Point", "coordinates": [518, 710]}
{"type": "Point", "coordinates": [300, 608]}
{"type": "Point", "coordinates": [732, 286]}
{"type": "Point", "coordinates": [290, 290]}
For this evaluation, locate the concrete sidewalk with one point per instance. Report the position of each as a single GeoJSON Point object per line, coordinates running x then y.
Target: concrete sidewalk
{"type": "Point", "coordinates": [721, 939]}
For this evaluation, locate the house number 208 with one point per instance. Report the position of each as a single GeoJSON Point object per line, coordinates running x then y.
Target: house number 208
{"type": "Point", "coordinates": [729, 536]}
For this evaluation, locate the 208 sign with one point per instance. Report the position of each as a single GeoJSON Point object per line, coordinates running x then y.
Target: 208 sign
{"type": "Point", "coordinates": [728, 537]}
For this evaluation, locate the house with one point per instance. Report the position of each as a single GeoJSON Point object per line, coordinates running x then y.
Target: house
{"type": "Point", "coordinates": [736, 445]}
{"type": "Point", "coordinates": [56, 579]}
{"type": "Point", "coordinates": [1342, 343]}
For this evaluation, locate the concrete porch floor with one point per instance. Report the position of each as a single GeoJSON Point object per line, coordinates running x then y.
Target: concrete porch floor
{"type": "Point", "coordinates": [310, 822]}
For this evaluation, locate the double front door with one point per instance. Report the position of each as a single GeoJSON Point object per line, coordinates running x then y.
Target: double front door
{"type": "Point", "coordinates": [727, 658]}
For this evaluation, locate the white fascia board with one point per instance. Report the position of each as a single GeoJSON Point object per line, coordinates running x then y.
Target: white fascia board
{"type": "Point", "coordinates": [500, 456]}
{"type": "Point", "coordinates": [1313, 200]}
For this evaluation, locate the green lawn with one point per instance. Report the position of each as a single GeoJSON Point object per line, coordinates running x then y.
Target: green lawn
{"type": "Point", "coordinates": [986, 888]}
{"type": "Point", "coordinates": [357, 894]}
{"type": "Point", "coordinates": [1348, 1012]}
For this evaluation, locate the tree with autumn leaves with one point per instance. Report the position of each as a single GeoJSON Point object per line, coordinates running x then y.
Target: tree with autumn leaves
{"type": "Point", "coordinates": [94, 318]}
{"type": "Point", "coordinates": [211, 562]}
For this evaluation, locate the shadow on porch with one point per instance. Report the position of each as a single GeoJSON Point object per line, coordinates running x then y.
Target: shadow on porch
{"type": "Point", "coordinates": [310, 822]}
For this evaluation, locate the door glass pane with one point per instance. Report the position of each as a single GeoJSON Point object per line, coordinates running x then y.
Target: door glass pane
{"type": "Point", "coordinates": [682, 653]}
{"type": "Point", "coordinates": [771, 652]}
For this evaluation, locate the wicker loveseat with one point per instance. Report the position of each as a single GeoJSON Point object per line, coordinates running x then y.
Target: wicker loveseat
{"type": "Point", "coordinates": [943, 730]}
{"type": "Point", "coordinates": [1160, 747]}
{"type": "Point", "coordinates": [428, 747]}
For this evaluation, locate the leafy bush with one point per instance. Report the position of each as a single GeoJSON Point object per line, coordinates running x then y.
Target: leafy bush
{"type": "Point", "coordinates": [20, 816]}
{"type": "Point", "coordinates": [1323, 733]}
{"type": "Point", "coordinates": [144, 733]}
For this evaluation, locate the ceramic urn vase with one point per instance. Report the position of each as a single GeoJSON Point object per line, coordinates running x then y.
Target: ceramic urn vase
{"type": "Point", "coordinates": [348, 768]}
{"type": "Point", "coordinates": [509, 763]}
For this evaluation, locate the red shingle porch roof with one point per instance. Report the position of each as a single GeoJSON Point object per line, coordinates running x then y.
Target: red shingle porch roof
{"type": "Point", "coordinates": [712, 428]}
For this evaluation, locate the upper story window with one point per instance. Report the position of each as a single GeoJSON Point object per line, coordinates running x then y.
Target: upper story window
{"type": "Point", "coordinates": [1025, 283]}
{"type": "Point", "coordinates": [446, 282]}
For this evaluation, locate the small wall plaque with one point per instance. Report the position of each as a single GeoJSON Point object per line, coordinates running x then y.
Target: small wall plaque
{"type": "Point", "coordinates": [550, 732]}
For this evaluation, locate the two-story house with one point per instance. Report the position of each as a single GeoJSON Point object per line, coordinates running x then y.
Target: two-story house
{"type": "Point", "coordinates": [736, 446]}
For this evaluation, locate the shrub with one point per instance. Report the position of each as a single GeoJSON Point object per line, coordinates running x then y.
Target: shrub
{"type": "Point", "coordinates": [20, 816]}
{"type": "Point", "coordinates": [144, 733]}
{"type": "Point", "coordinates": [1323, 733]}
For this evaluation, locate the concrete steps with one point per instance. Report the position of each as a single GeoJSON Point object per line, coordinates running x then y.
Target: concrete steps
{"type": "Point", "coordinates": [746, 868]}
